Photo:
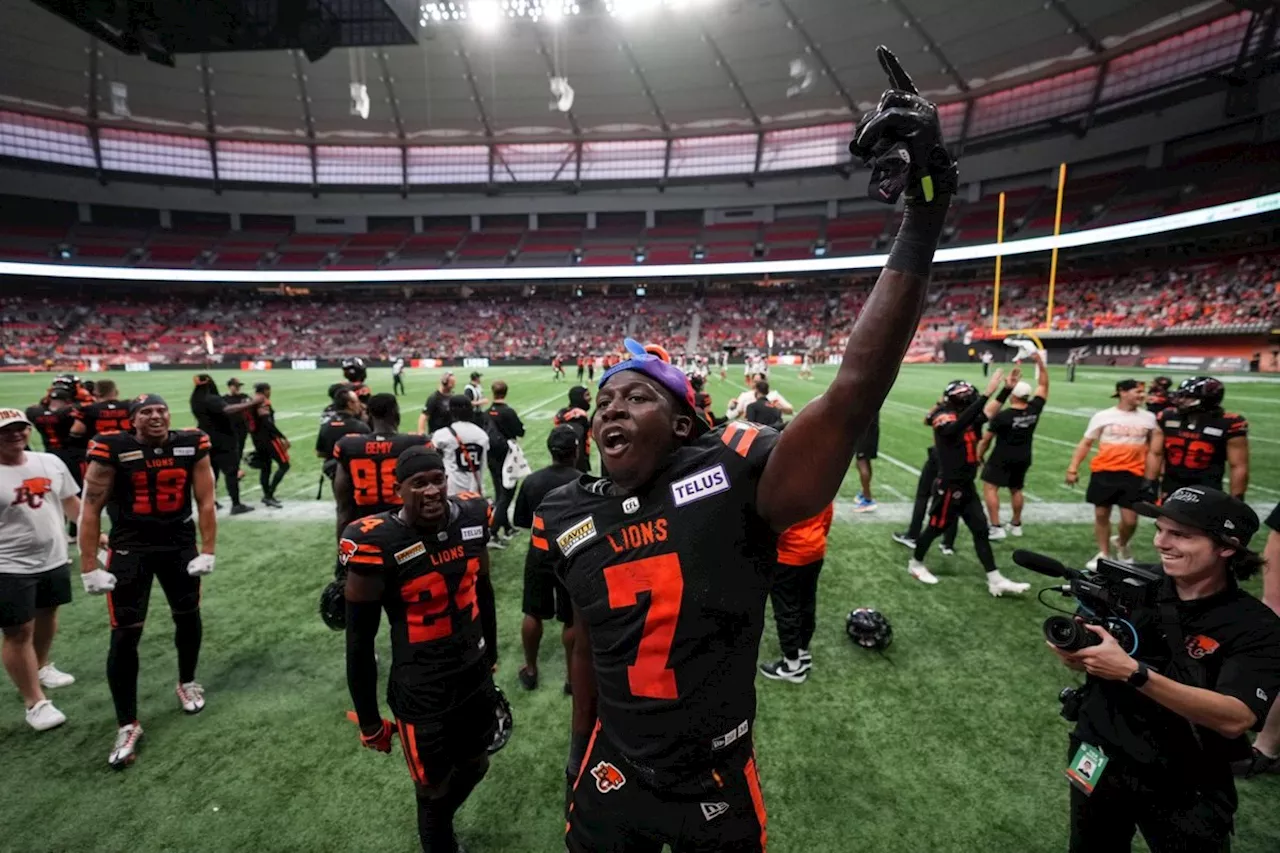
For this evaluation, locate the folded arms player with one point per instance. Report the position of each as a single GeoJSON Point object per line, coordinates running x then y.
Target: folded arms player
{"type": "Point", "coordinates": [669, 623]}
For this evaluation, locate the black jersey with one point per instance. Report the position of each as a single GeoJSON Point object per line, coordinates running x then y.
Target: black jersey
{"type": "Point", "coordinates": [335, 426]}
{"type": "Point", "coordinates": [262, 423]}
{"type": "Point", "coordinates": [150, 503]}
{"type": "Point", "coordinates": [671, 582]}
{"type": "Point", "coordinates": [370, 463]}
{"type": "Point", "coordinates": [437, 639]}
{"type": "Point", "coordinates": [105, 417]}
{"type": "Point", "coordinates": [1014, 430]}
{"type": "Point", "coordinates": [54, 426]}
{"type": "Point", "coordinates": [956, 436]}
{"type": "Point", "coordinates": [1195, 444]}
{"type": "Point", "coordinates": [580, 420]}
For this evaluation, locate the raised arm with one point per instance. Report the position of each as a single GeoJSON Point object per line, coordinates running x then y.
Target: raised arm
{"type": "Point", "coordinates": [98, 482]}
{"type": "Point", "coordinates": [807, 466]}
{"type": "Point", "coordinates": [983, 404]}
{"type": "Point", "coordinates": [1042, 376]}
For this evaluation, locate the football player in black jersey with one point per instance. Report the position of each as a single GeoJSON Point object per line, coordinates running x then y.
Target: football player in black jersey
{"type": "Point", "coordinates": [577, 415]}
{"type": "Point", "coordinates": [354, 371]}
{"type": "Point", "coordinates": [107, 414]}
{"type": "Point", "coordinates": [427, 566]}
{"type": "Point", "coordinates": [924, 490]}
{"type": "Point", "coordinates": [365, 481]}
{"type": "Point", "coordinates": [54, 418]}
{"type": "Point", "coordinates": [146, 480]}
{"type": "Point", "coordinates": [269, 444]}
{"type": "Point", "coordinates": [1196, 441]}
{"type": "Point", "coordinates": [345, 417]}
{"type": "Point", "coordinates": [668, 562]}
{"type": "Point", "coordinates": [957, 430]}
{"type": "Point", "coordinates": [1012, 430]}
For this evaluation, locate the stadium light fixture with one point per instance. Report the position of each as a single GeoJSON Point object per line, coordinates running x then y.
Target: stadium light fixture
{"type": "Point", "coordinates": [1245, 208]}
{"type": "Point", "coordinates": [486, 15]}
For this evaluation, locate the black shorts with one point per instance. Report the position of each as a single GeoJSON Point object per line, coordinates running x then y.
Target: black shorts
{"type": "Point", "coordinates": [869, 445]}
{"type": "Point", "coordinates": [134, 570]}
{"type": "Point", "coordinates": [1005, 473]}
{"type": "Point", "coordinates": [461, 734]}
{"type": "Point", "coordinates": [22, 595]}
{"type": "Point", "coordinates": [948, 503]}
{"type": "Point", "coordinates": [544, 596]}
{"type": "Point", "coordinates": [1113, 488]}
{"type": "Point", "coordinates": [612, 811]}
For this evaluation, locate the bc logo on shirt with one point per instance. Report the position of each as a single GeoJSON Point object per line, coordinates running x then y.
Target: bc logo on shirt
{"type": "Point", "coordinates": [32, 492]}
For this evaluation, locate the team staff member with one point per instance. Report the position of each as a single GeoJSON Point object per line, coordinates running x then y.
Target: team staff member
{"type": "Point", "coordinates": [801, 550]}
{"type": "Point", "coordinates": [217, 419]}
{"type": "Point", "coordinates": [1013, 430]}
{"type": "Point", "coordinates": [577, 415]}
{"type": "Point", "coordinates": [761, 410]}
{"type": "Point", "coordinates": [1160, 762]}
{"type": "Point", "coordinates": [364, 482]}
{"type": "Point", "coordinates": [146, 481]}
{"type": "Point", "coordinates": [1122, 433]}
{"type": "Point", "coordinates": [1196, 440]}
{"type": "Point", "coordinates": [347, 418]}
{"type": "Point", "coordinates": [544, 596]}
{"type": "Point", "coordinates": [956, 430]}
{"type": "Point", "coordinates": [239, 421]}
{"type": "Point", "coordinates": [106, 414]}
{"type": "Point", "coordinates": [503, 425]}
{"type": "Point", "coordinates": [668, 624]}
{"type": "Point", "coordinates": [269, 444]}
{"type": "Point", "coordinates": [425, 564]}
{"type": "Point", "coordinates": [474, 392]}
{"type": "Point", "coordinates": [397, 376]}
{"type": "Point", "coordinates": [435, 412]}
{"type": "Point", "coordinates": [37, 495]}
{"type": "Point", "coordinates": [465, 448]}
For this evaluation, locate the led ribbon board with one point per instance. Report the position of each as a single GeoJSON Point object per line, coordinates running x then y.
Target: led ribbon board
{"type": "Point", "coordinates": [1090, 237]}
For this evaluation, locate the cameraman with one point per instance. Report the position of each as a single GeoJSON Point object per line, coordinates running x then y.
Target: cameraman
{"type": "Point", "coordinates": [1155, 737]}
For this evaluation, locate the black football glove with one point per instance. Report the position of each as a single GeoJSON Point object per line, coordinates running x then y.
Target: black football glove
{"type": "Point", "coordinates": [901, 142]}
{"type": "Point", "coordinates": [1149, 491]}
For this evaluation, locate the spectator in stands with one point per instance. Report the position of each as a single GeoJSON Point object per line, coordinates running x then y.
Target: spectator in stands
{"type": "Point", "coordinates": [503, 425]}
{"type": "Point", "coordinates": [435, 412]}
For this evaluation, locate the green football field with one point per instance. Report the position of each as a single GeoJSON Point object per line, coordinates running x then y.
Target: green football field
{"type": "Point", "coordinates": [949, 742]}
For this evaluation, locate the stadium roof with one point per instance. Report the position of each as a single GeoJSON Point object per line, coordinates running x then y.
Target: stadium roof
{"type": "Point", "coordinates": [689, 67]}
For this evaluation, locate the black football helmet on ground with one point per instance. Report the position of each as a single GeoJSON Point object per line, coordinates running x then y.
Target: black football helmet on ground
{"type": "Point", "coordinates": [506, 721]}
{"type": "Point", "coordinates": [333, 606]}
{"type": "Point", "coordinates": [1199, 393]}
{"type": "Point", "coordinates": [354, 369]}
{"type": "Point", "coordinates": [959, 393]}
{"type": "Point", "coordinates": [869, 629]}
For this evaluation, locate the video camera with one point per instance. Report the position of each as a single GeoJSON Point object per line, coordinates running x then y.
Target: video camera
{"type": "Point", "coordinates": [1107, 597]}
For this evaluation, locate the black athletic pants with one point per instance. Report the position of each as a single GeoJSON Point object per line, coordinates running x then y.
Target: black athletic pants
{"type": "Point", "coordinates": [1173, 817]}
{"type": "Point", "coordinates": [924, 490]}
{"type": "Point", "coordinates": [795, 605]}
{"type": "Point", "coordinates": [397, 384]}
{"type": "Point", "coordinates": [226, 462]}
{"type": "Point", "coordinates": [502, 496]}
{"type": "Point", "coordinates": [954, 502]}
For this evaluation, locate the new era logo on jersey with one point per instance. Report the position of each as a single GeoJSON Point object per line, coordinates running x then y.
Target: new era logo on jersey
{"type": "Point", "coordinates": [417, 549]}
{"type": "Point", "coordinates": [699, 485]}
{"type": "Point", "coordinates": [577, 535]}
{"type": "Point", "coordinates": [711, 811]}
{"type": "Point", "coordinates": [184, 451]}
{"type": "Point", "coordinates": [1262, 694]}
{"type": "Point", "coordinates": [131, 456]}
{"type": "Point", "coordinates": [346, 550]}
{"type": "Point", "coordinates": [469, 533]}
{"type": "Point", "coordinates": [608, 778]}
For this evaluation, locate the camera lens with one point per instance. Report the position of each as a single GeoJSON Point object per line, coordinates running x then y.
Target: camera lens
{"type": "Point", "coordinates": [1067, 634]}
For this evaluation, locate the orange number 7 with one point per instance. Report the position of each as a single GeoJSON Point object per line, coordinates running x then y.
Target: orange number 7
{"type": "Point", "coordinates": [660, 577]}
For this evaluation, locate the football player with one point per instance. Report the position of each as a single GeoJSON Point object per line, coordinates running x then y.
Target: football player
{"type": "Point", "coordinates": [146, 480]}
{"type": "Point", "coordinates": [107, 414]}
{"type": "Point", "coordinates": [426, 565]}
{"type": "Point", "coordinates": [354, 371]}
{"type": "Point", "coordinates": [1196, 440]}
{"type": "Point", "coordinates": [957, 429]}
{"type": "Point", "coordinates": [1012, 430]}
{"type": "Point", "coordinates": [924, 490]}
{"type": "Point", "coordinates": [345, 417]}
{"type": "Point", "coordinates": [557, 368]}
{"type": "Point", "coordinates": [668, 624]}
{"type": "Point", "coordinates": [269, 444]}
{"type": "Point", "coordinates": [1158, 395]}
{"type": "Point", "coordinates": [577, 415]}
{"type": "Point", "coordinates": [364, 482]}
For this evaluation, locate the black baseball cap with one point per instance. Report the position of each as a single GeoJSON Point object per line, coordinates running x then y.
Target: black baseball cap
{"type": "Point", "coordinates": [234, 383]}
{"type": "Point", "coordinates": [476, 374]}
{"type": "Point", "coordinates": [1127, 385]}
{"type": "Point", "coordinates": [1227, 519]}
{"type": "Point", "coordinates": [562, 439]}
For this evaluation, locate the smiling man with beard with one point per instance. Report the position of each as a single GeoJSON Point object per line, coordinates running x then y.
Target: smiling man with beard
{"type": "Point", "coordinates": [668, 561]}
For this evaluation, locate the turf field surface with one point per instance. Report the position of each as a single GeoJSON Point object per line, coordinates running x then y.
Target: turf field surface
{"type": "Point", "coordinates": [949, 742]}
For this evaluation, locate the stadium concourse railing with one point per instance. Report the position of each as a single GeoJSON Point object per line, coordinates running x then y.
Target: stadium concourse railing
{"type": "Point", "coordinates": [1257, 206]}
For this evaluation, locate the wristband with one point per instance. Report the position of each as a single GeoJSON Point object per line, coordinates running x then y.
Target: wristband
{"type": "Point", "coordinates": [1004, 394]}
{"type": "Point", "coordinates": [917, 240]}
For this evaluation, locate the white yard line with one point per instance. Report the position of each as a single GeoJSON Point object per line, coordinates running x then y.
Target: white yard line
{"type": "Point", "coordinates": [910, 469]}
{"type": "Point", "coordinates": [1052, 440]}
{"type": "Point", "coordinates": [1032, 497]}
{"type": "Point", "coordinates": [891, 490]}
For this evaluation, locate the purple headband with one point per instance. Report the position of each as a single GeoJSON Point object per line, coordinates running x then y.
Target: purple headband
{"type": "Point", "coordinates": [665, 374]}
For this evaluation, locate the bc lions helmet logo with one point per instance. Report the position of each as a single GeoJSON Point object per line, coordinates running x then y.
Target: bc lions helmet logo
{"type": "Point", "coordinates": [32, 492]}
{"type": "Point", "coordinates": [608, 778]}
{"type": "Point", "coordinates": [346, 550]}
{"type": "Point", "coordinates": [1199, 645]}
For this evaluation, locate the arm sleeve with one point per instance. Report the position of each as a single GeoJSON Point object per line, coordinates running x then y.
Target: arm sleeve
{"type": "Point", "coordinates": [1252, 672]}
{"type": "Point", "coordinates": [946, 423]}
{"type": "Point", "coordinates": [363, 619]}
{"type": "Point", "coordinates": [1036, 406]}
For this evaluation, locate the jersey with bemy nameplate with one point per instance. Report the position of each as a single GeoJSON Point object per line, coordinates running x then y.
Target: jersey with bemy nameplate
{"type": "Point", "coordinates": [1195, 444]}
{"type": "Point", "coordinates": [151, 497]}
{"type": "Point", "coordinates": [437, 639]}
{"type": "Point", "coordinates": [370, 463]}
{"type": "Point", "coordinates": [671, 583]}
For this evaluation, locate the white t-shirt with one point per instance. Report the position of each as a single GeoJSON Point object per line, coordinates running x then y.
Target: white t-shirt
{"type": "Point", "coordinates": [474, 446]}
{"type": "Point", "coordinates": [35, 528]}
{"type": "Point", "coordinates": [1122, 439]}
{"type": "Point", "coordinates": [397, 367]}
{"type": "Point", "coordinates": [738, 405]}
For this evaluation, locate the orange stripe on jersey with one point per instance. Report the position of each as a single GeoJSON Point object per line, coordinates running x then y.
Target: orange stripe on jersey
{"type": "Point", "coordinates": [757, 800]}
{"type": "Point", "coordinates": [467, 496]}
{"type": "Point", "coordinates": [729, 432]}
{"type": "Point", "coordinates": [364, 560]}
{"type": "Point", "coordinates": [744, 444]}
{"type": "Point", "coordinates": [538, 542]}
{"type": "Point", "coordinates": [365, 548]}
{"type": "Point", "coordinates": [538, 523]}
{"type": "Point", "coordinates": [205, 444]}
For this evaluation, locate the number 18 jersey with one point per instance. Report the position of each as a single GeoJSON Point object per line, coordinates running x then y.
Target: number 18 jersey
{"type": "Point", "coordinates": [671, 583]}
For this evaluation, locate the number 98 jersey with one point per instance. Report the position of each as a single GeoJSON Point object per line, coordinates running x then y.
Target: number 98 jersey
{"type": "Point", "coordinates": [150, 503]}
{"type": "Point", "coordinates": [671, 584]}
{"type": "Point", "coordinates": [370, 463]}
{"type": "Point", "coordinates": [437, 639]}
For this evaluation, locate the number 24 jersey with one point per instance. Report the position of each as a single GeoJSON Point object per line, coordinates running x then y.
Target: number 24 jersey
{"type": "Point", "coordinates": [671, 583]}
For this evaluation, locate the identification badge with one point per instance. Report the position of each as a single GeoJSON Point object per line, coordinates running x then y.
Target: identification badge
{"type": "Point", "coordinates": [1086, 768]}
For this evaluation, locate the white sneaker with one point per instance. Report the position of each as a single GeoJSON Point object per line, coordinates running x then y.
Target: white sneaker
{"type": "Point", "coordinates": [998, 585]}
{"type": "Point", "coordinates": [1015, 529]}
{"type": "Point", "coordinates": [995, 533]}
{"type": "Point", "coordinates": [497, 545]}
{"type": "Point", "coordinates": [125, 749]}
{"type": "Point", "coordinates": [191, 697]}
{"type": "Point", "coordinates": [53, 678]}
{"type": "Point", "coordinates": [946, 550]}
{"type": "Point", "coordinates": [42, 716]}
{"type": "Point", "coordinates": [1092, 565]}
{"type": "Point", "coordinates": [920, 571]}
{"type": "Point", "coordinates": [1123, 554]}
